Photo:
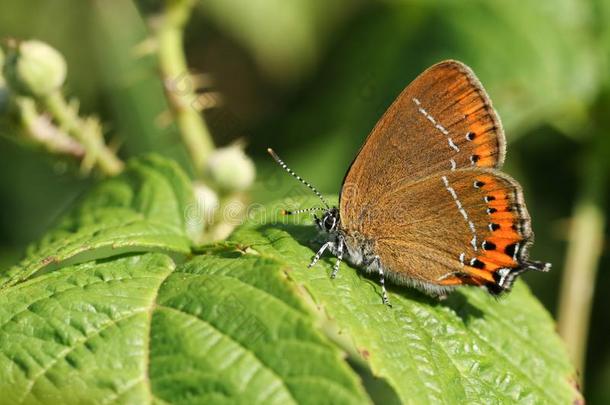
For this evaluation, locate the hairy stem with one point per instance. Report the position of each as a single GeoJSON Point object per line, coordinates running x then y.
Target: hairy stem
{"type": "Point", "coordinates": [40, 129]}
{"type": "Point", "coordinates": [87, 131]}
{"type": "Point", "coordinates": [179, 85]}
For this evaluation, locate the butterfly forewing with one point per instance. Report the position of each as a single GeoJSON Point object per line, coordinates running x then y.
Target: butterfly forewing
{"type": "Point", "coordinates": [451, 227]}
{"type": "Point", "coordinates": [442, 121]}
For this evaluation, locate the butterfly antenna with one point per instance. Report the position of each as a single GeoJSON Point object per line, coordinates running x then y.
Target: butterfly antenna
{"type": "Point", "coordinates": [286, 212]}
{"type": "Point", "coordinates": [296, 176]}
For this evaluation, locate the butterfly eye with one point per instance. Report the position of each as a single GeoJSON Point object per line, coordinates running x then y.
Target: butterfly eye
{"type": "Point", "coordinates": [329, 222]}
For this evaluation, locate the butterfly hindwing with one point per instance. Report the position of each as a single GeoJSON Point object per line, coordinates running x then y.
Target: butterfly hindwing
{"type": "Point", "coordinates": [466, 226]}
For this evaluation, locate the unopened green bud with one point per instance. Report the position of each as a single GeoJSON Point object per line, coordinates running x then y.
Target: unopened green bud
{"type": "Point", "coordinates": [200, 213]}
{"type": "Point", "coordinates": [230, 169]}
{"type": "Point", "coordinates": [207, 201]}
{"type": "Point", "coordinates": [34, 68]}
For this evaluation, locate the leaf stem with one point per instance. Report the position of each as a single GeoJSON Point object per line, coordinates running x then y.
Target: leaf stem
{"type": "Point", "coordinates": [582, 259]}
{"type": "Point", "coordinates": [179, 85]}
{"type": "Point", "coordinates": [88, 132]}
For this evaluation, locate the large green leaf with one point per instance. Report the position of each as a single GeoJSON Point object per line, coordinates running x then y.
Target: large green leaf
{"type": "Point", "coordinates": [133, 327]}
{"type": "Point", "coordinates": [246, 322]}
{"type": "Point", "coordinates": [470, 348]}
{"type": "Point", "coordinates": [221, 329]}
{"type": "Point", "coordinates": [141, 210]}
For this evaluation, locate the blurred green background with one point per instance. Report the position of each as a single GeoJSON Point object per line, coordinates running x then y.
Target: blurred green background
{"type": "Point", "coordinates": [311, 78]}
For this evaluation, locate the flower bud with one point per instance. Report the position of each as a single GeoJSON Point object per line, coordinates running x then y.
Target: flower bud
{"type": "Point", "coordinates": [230, 169]}
{"type": "Point", "coordinates": [207, 201]}
{"type": "Point", "coordinates": [200, 214]}
{"type": "Point", "coordinates": [34, 68]}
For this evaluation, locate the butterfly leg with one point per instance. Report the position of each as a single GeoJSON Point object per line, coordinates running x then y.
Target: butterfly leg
{"type": "Point", "coordinates": [384, 293]}
{"type": "Point", "coordinates": [319, 254]}
{"type": "Point", "coordinates": [339, 258]}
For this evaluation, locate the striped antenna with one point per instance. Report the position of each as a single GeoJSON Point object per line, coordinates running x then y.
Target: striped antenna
{"type": "Point", "coordinates": [296, 176]}
{"type": "Point", "coordinates": [286, 212]}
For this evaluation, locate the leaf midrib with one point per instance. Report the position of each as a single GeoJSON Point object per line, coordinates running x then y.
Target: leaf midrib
{"type": "Point", "coordinates": [149, 313]}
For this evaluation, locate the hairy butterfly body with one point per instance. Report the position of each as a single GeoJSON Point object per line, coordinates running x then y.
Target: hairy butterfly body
{"type": "Point", "coordinates": [423, 203]}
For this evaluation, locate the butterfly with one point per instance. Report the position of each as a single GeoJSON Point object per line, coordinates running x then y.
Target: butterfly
{"type": "Point", "coordinates": [424, 203]}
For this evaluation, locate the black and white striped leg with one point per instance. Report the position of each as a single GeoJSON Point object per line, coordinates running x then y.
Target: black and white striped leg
{"type": "Point", "coordinates": [339, 258]}
{"type": "Point", "coordinates": [384, 293]}
{"type": "Point", "coordinates": [319, 254]}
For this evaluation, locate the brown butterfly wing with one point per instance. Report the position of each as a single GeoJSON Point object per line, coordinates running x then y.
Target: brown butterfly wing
{"type": "Point", "coordinates": [442, 120]}
{"type": "Point", "coordinates": [467, 226]}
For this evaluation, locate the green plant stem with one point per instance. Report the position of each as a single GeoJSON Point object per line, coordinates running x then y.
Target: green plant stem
{"type": "Point", "coordinates": [193, 129]}
{"type": "Point", "coordinates": [41, 130]}
{"type": "Point", "coordinates": [87, 132]}
{"type": "Point", "coordinates": [582, 259]}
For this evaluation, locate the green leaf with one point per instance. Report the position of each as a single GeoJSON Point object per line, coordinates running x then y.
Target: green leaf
{"type": "Point", "coordinates": [228, 328]}
{"type": "Point", "coordinates": [244, 323]}
{"type": "Point", "coordinates": [470, 348]}
{"type": "Point", "coordinates": [141, 210]}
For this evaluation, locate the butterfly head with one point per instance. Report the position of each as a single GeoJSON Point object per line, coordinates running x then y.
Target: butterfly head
{"type": "Point", "coordinates": [329, 222]}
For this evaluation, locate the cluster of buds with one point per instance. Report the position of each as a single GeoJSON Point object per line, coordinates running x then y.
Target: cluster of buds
{"type": "Point", "coordinates": [33, 74]}
{"type": "Point", "coordinates": [221, 197]}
